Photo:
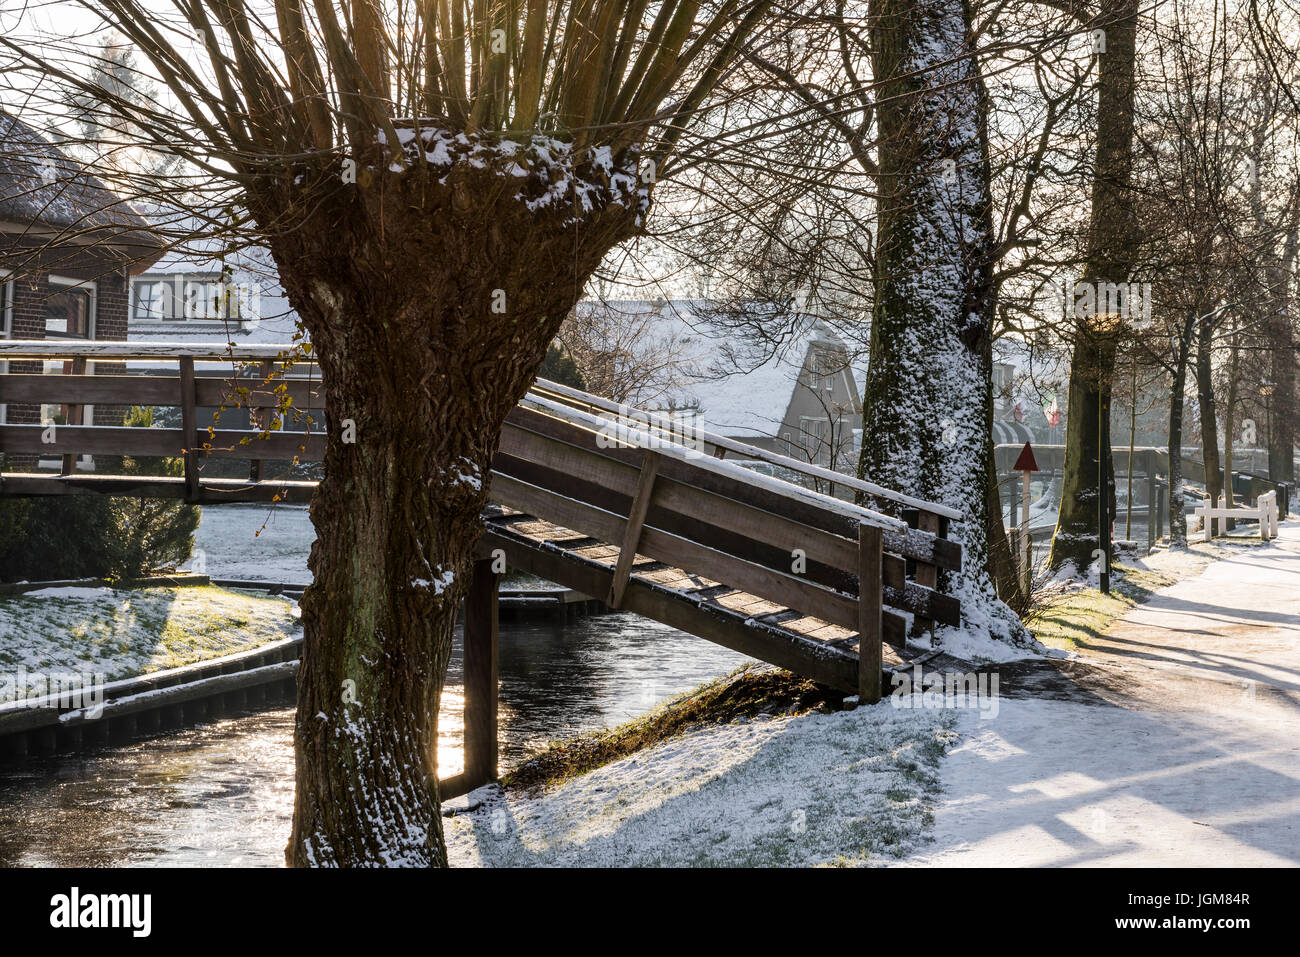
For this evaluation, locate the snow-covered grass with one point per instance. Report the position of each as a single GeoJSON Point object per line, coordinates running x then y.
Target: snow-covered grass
{"type": "Point", "coordinates": [124, 632]}
{"type": "Point", "coordinates": [1072, 610]}
{"type": "Point", "coordinates": [254, 543]}
{"type": "Point", "coordinates": [849, 788]}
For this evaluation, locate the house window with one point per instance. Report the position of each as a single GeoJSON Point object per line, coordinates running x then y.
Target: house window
{"type": "Point", "coordinates": [816, 438]}
{"type": "Point", "coordinates": [69, 309]}
{"type": "Point", "coordinates": [181, 297]}
{"type": "Point", "coordinates": [822, 367]}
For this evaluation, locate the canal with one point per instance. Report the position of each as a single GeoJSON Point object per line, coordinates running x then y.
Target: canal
{"type": "Point", "coordinates": [222, 793]}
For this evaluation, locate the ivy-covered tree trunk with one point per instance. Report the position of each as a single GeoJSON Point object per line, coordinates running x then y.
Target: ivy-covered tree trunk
{"type": "Point", "coordinates": [1111, 239]}
{"type": "Point", "coordinates": [927, 408]}
{"type": "Point", "coordinates": [430, 300]}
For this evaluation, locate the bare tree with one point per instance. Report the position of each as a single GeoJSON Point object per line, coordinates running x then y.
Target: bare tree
{"type": "Point", "coordinates": [436, 181]}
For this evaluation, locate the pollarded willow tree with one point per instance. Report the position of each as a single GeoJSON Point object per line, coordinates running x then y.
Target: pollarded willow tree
{"type": "Point", "coordinates": [436, 180]}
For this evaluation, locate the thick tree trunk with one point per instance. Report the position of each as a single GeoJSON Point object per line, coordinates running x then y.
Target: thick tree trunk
{"type": "Point", "coordinates": [1087, 450]}
{"type": "Point", "coordinates": [1111, 238]}
{"type": "Point", "coordinates": [928, 404]}
{"type": "Point", "coordinates": [430, 301]}
{"type": "Point", "coordinates": [397, 519]}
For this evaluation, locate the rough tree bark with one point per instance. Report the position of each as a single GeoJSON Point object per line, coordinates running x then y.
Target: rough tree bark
{"type": "Point", "coordinates": [1111, 239]}
{"type": "Point", "coordinates": [1177, 495]}
{"type": "Point", "coordinates": [1283, 407]}
{"type": "Point", "coordinates": [462, 285]}
{"type": "Point", "coordinates": [927, 408]}
{"type": "Point", "coordinates": [1206, 403]}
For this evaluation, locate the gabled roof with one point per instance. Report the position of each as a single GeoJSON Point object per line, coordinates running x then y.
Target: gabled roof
{"type": "Point", "coordinates": [741, 386]}
{"type": "Point", "coordinates": [44, 190]}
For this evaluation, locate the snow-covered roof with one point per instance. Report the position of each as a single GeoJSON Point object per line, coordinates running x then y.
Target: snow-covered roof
{"type": "Point", "coordinates": [740, 385]}
{"type": "Point", "coordinates": [40, 185]}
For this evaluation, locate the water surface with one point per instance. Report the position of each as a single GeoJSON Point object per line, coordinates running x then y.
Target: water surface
{"type": "Point", "coordinates": [222, 793]}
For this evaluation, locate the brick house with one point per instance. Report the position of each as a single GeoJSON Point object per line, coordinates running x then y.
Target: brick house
{"type": "Point", "coordinates": [68, 247]}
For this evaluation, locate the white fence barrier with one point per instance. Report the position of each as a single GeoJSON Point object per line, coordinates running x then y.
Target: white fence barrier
{"type": "Point", "coordinates": [1265, 512]}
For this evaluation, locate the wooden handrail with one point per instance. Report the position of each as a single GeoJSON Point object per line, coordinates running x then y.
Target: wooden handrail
{"type": "Point", "coordinates": [570, 394]}
{"type": "Point", "coordinates": [99, 349]}
{"type": "Point", "coordinates": [639, 439]}
{"type": "Point", "coordinates": [569, 450]}
{"type": "Point", "coordinates": [211, 389]}
{"type": "Point", "coordinates": [130, 440]}
{"type": "Point", "coordinates": [611, 482]}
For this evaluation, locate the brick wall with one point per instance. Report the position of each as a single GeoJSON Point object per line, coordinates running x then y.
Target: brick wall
{"type": "Point", "coordinates": [111, 308]}
{"type": "Point", "coordinates": [31, 289]}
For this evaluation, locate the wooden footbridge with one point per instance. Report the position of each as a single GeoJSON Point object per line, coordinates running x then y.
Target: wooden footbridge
{"type": "Point", "coordinates": [631, 507]}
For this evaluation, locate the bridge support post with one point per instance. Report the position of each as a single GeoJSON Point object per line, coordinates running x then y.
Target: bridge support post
{"type": "Point", "coordinates": [870, 601]}
{"type": "Point", "coordinates": [481, 636]}
{"type": "Point", "coordinates": [260, 416]}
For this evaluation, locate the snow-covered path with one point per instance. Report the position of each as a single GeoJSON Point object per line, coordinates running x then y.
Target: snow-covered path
{"type": "Point", "coordinates": [1195, 762]}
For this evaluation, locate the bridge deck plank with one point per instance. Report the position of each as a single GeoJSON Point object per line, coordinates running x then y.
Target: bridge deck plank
{"type": "Point", "coordinates": [782, 625]}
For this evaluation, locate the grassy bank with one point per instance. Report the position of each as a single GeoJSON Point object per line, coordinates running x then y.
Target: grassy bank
{"type": "Point", "coordinates": [1067, 615]}
{"type": "Point", "coordinates": [125, 632]}
{"type": "Point", "coordinates": [744, 695]}
{"type": "Point", "coordinates": [848, 788]}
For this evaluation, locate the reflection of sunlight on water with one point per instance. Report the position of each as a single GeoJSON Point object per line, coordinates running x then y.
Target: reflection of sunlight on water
{"type": "Point", "coordinates": [451, 731]}
{"type": "Point", "coordinates": [222, 793]}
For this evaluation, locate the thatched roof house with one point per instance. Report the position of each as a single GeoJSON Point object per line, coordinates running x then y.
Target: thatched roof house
{"type": "Point", "coordinates": [68, 244]}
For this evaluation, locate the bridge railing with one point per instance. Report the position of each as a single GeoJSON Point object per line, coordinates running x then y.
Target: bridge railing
{"type": "Point", "coordinates": [760, 535]}
{"type": "Point", "coordinates": [720, 446]}
{"type": "Point", "coordinates": [697, 510]}
{"type": "Point", "coordinates": [259, 380]}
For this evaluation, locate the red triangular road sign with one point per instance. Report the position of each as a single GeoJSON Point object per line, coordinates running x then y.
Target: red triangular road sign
{"type": "Point", "coordinates": [1026, 462]}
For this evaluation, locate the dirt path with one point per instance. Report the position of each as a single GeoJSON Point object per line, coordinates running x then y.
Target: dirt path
{"type": "Point", "coordinates": [1172, 740]}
